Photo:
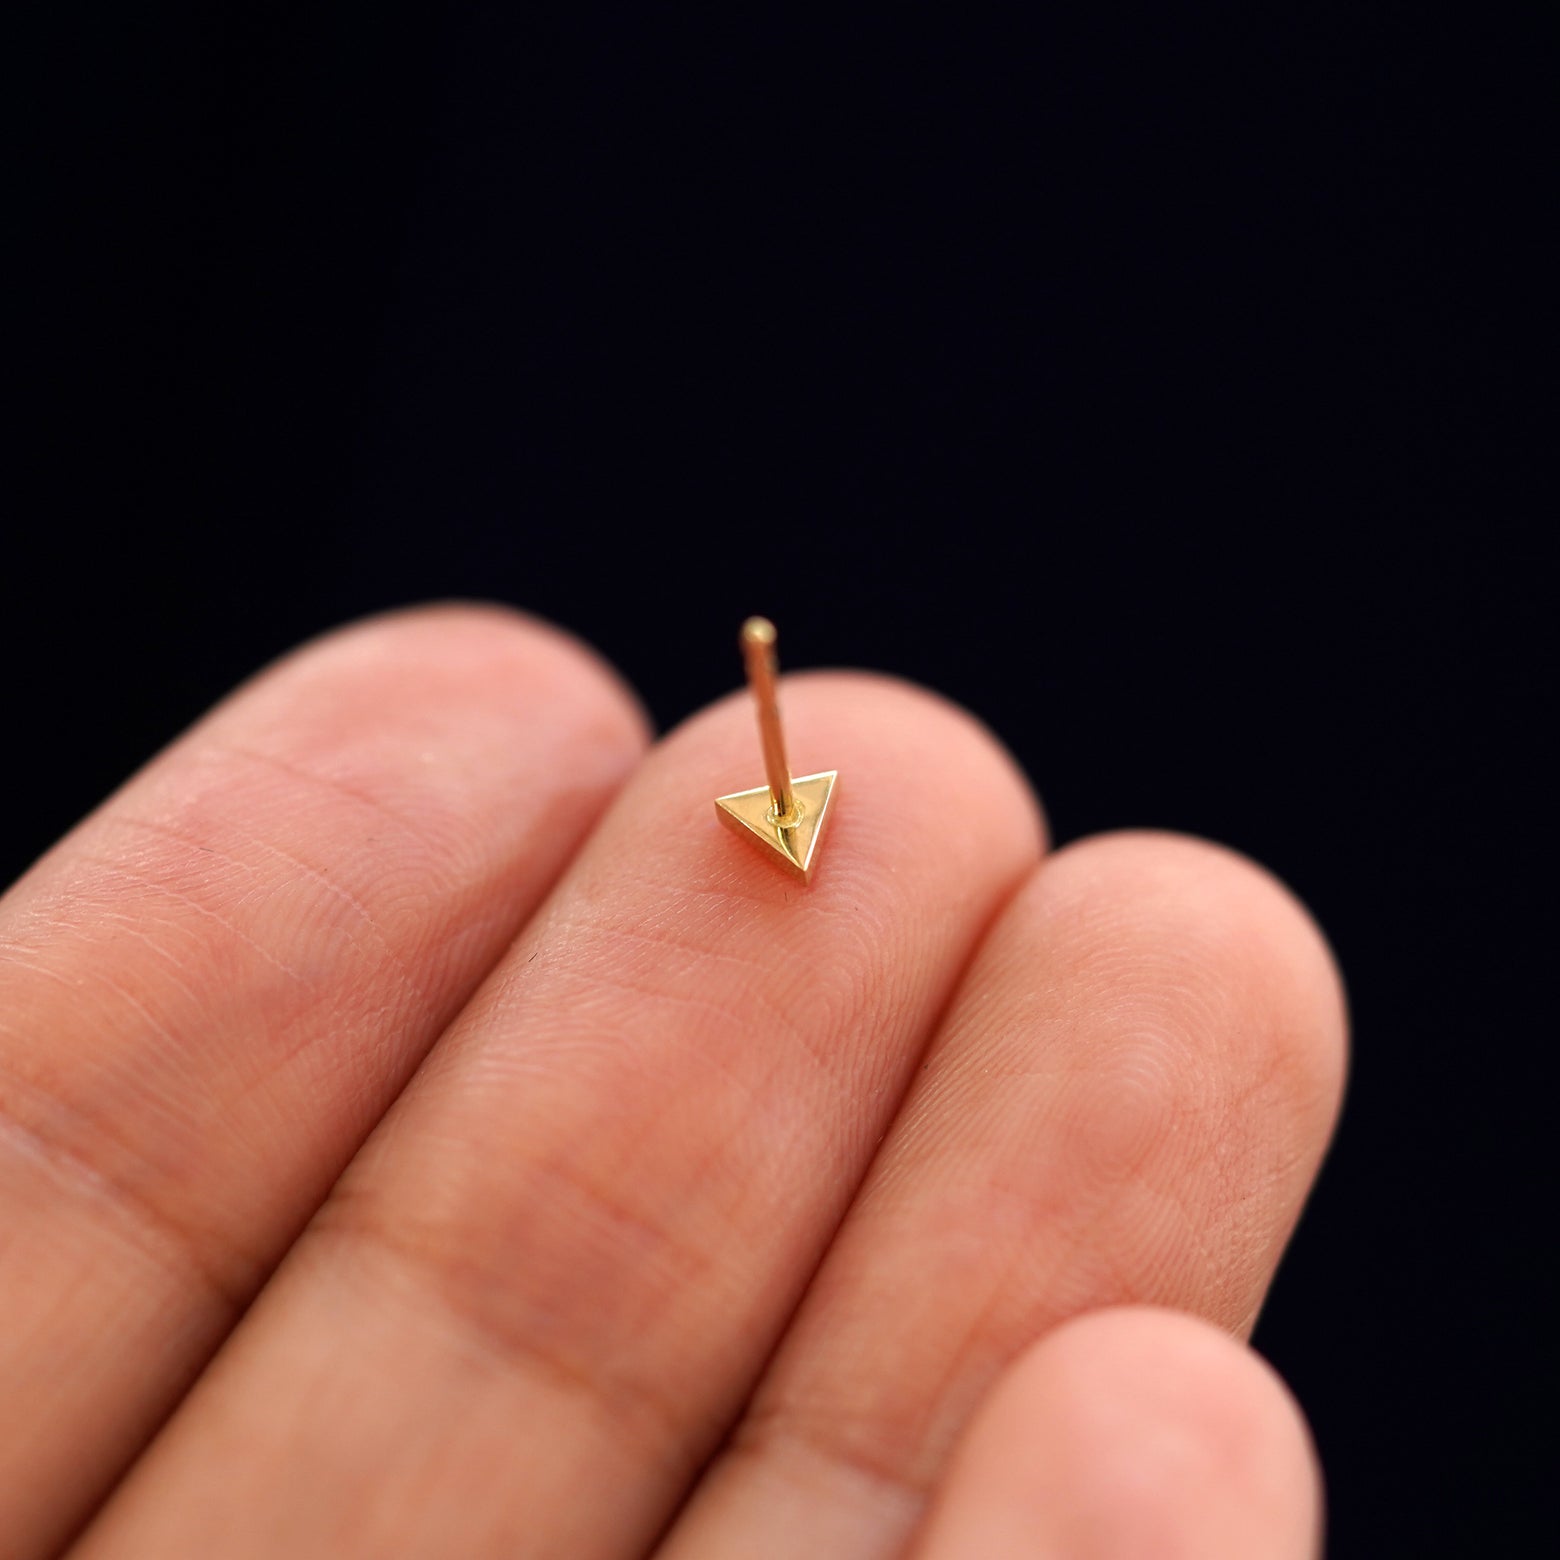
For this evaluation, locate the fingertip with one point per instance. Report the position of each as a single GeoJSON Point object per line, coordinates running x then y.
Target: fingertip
{"type": "Point", "coordinates": [1221, 910]}
{"type": "Point", "coordinates": [1127, 1432]}
{"type": "Point", "coordinates": [1151, 1362]}
{"type": "Point", "coordinates": [477, 644]}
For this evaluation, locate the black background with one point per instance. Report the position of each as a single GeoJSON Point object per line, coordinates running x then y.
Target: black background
{"type": "Point", "coordinates": [1170, 388]}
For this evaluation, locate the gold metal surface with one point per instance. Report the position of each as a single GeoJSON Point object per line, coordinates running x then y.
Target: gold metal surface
{"type": "Point", "coordinates": [785, 816]}
{"type": "Point", "coordinates": [758, 651]}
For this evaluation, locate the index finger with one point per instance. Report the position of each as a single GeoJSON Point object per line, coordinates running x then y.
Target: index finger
{"type": "Point", "coordinates": [211, 990]}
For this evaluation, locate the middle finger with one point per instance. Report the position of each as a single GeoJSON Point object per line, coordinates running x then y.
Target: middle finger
{"type": "Point", "coordinates": [566, 1254]}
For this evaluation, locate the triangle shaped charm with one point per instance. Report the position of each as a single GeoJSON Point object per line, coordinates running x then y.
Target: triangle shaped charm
{"type": "Point", "coordinates": [751, 814]}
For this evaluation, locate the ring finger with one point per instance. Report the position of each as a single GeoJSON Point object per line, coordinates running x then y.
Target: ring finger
{"type": "Point", "coordinates": [1126, 1103]}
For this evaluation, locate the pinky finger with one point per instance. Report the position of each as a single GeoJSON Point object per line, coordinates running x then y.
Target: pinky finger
{"type": "Point", "coordinates": [1126, 1433]}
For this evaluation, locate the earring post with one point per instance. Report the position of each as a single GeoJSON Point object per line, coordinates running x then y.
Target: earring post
{"type": "Point", "coordinates": [758, 651]}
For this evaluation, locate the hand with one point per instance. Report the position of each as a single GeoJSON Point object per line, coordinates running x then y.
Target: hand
{"type": "Point", "coordinates": [426, 1132]}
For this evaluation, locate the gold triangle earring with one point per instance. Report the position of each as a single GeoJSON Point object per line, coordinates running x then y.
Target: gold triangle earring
{"type": "Point", "coordinates": [787, 815]}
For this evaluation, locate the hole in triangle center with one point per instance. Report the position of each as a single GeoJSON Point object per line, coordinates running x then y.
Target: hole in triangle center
{"type": "Point", "coordinates": [786, 820]}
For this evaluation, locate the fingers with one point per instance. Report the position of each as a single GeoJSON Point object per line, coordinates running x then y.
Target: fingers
{"type": "Point", "coordinates": [1126, 1433]}
{"type": "Point", "coordinates": [1127, 1102]}
{"type": "Point", "coordinates": [211, 990]}
{"type": "Point", "coordinates": [548, 1281]}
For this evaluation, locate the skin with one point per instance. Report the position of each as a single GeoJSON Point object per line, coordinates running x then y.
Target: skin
{"type": "Point", "coordinates": [424, 1130]}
